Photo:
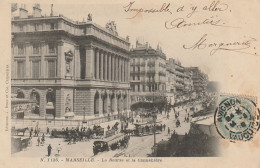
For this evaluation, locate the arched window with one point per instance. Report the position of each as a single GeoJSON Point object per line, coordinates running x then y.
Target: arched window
{"type": "Point", "coordinates": [113, 99]}
{"type": "Point", "coordinates": [50, 102]}
{"type": "Point", "coordinates": [20, 94]}
{"type": "Point", "coordinates": [96, 104]}
{"type": "Point", "coordinates": [35, 96]}
{"type": "Point", "coordinates": [105, 103]}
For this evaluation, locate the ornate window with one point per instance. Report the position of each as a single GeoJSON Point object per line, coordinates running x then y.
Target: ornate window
{"type": "Point", "coordinates": [51, 68]}
{"type": "Point", "coordinates": [20, 69]}
{"type": "Point", "coordinates": [36, 49]}
{"type": "Point", "coordinates": [51, 47]}
{"type": "Point", "coordinates": [20, 49]}
{"type": "Point", "coordinates": [36, 69]}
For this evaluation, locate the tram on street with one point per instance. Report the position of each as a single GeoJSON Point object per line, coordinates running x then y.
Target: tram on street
{"type": "Point", "coordinates": [111, 143]}
{"type": "Point", "coordinates": [149, 128]}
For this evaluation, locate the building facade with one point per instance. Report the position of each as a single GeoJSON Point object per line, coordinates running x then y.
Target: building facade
{"type": "Point", "coordinates": [69, 66]}
{"type": "Point", "coordinates": [200, 79]}
{"type": "Point", "coordinates": [147, 72]}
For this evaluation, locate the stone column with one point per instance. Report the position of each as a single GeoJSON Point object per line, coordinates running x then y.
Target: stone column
{"type": "Point", "coordinates": [89, 62]}
{"type": "Point", "coordinates": [101, 65]}
{"type": "Point", "coordinates": [128, 71]}
{"type": "Point", "coordinates": [116, 70]}
{"type": "Point", "coordinates": [113, 67]}
{"type": "Point", "coordinates": [77, 62]}
{"type": "Point", "coordinates": [105, 66]}
{"type": "Point", "coordinates": [123, 70]}
{"type": "Point", "coordinates": [43, 53]}
{"type": "Point", "coordinates": [119, 69]}
{"type": "Point", "coordinates": [59, 59]}
{"type": "Point", "coordinates": [97, 64]}
{"type": "Point", "coordinates": [109, 67]}
{"type": "Point", "coordinates": [27, 61]}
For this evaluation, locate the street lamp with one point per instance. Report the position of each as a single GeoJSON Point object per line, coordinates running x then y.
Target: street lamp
{"type": "Point", "coordinates": [154, 127]}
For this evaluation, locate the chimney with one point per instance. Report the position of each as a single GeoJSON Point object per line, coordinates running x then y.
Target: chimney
{"type": "Point", "coordinates": [37, 11]}
{"type": "Point", "coordinates": [23, 13]}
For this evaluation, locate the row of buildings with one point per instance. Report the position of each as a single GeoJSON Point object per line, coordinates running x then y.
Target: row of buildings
{"type": "Point", "coordinates": [151, 72]}
{"type": "Point", "coordinates": [67, 66]}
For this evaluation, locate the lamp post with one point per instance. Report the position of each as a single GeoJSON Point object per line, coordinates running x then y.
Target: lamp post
{"type": "Point", "coordinates": [154, 127]}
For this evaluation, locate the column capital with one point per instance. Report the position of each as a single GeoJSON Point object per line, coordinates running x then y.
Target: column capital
{"type": "Point", "coordinates": [90, 47]}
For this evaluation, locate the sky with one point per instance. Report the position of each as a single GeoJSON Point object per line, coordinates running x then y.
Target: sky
{"type": "Point", "coordinates": [150, 27]}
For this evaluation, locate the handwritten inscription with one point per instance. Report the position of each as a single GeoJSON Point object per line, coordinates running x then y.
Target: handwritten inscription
{"type": "Point", "coordinates": [235, 46]}
{"type": "Point", "coordinates": [164, 8]}
{"type": "Point", "coordinates": [181, 23]}
{"type": "Point", "coordinates": [212, 14]}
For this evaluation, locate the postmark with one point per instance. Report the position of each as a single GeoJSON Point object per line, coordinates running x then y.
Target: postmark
{"type": "Point", "coordinates": [237, 117]}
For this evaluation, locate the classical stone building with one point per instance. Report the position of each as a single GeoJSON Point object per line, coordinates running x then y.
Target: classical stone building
{"type": "Point", "coordinates": [148, 72]}
{"type": "Point", "coordinates": [68, 66]}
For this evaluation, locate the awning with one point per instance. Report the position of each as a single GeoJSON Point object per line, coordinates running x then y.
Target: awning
{"type": "Point", "coordinates": [69, 114]}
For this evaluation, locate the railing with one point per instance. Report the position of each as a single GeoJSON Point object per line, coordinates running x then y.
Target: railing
{"type": "Point", "coordinates": [61, 122]}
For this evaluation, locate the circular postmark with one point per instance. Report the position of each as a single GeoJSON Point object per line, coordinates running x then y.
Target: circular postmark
{"type": "Point", "coordinates": [237, 118]}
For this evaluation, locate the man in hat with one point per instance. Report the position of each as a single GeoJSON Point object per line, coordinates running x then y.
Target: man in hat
{"type": "Point", "coordinates": [49, 148]}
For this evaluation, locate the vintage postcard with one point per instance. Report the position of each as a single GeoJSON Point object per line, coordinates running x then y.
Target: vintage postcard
{"type": "Point", "coordinates": [143, 83]}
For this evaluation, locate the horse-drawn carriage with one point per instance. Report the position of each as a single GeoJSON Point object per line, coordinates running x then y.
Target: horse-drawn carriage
{"type": "Point", "coordinates": [18, 144]}
{"type": "Point", "coordinates": [114, 142]}
{"type": "Point", "coordinates": [98, 130]}
{"type": "Point", "coordinates": [58, 133]}
{"type": "Point", "coordinates": [148, 128]}
{"type": "Point", "coordinates": [18, 130]}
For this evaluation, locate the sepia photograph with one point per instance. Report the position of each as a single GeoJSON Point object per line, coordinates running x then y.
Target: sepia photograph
{"type": "Point", "coordinates": [141, 83]}
{"type": "Point", "coordinates": [81, 89]}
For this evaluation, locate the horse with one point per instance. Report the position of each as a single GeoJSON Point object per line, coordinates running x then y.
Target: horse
{"type": "Point", "coordinates": [21, 130]}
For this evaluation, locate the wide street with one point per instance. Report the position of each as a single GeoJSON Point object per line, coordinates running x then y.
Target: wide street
{"type": "Point", "coordinates": [137, 147]}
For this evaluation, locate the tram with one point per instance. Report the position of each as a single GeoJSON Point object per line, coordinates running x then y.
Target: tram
{"type": "Point", "coordinates": [148, 128]}
{"type": "Point", "coordinates": [111, 143]}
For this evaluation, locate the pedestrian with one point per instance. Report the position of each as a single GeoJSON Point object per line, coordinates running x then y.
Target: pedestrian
{"type": "Point", "coordinates": [108, 127]}
{"type": "Point", "coordinates": [49, 148]}
{"type": "Point", "coordinates": [169, 131]}
{"type": "Point", "coordinates": [59, 149]}
{"type": "Point", "coordinates": [30, 134]}
{"type": "Point", "coordinates": [35, 132]}
{"type": "Point", "coordinates": [48, 131]}
{"type": "Point", "coordinates": [43, 138]}
{"type": "Point", "coordinates": [38, 140]}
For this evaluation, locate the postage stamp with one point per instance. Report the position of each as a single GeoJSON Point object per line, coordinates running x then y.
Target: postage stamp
{"type": "Point", "coordinates": [237, 117]}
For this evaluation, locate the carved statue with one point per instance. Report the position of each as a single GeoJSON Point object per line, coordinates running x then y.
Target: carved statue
{"type": "Point", "coordinates": [68, 58]}
{"type": "Point", "coordinates": [111, 26]}
{"type": "Point", "coordinates": [89, 17]}
{"type": "Point", "coordinates": [67, 66]}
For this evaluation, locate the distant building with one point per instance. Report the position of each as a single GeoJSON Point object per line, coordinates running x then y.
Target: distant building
{"type": "Point", "coordinates": [68, 66]}
{"type": "Point", "coordinates": [200, 79]}
{"type": "Point", "coordinates": [147, 72]}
